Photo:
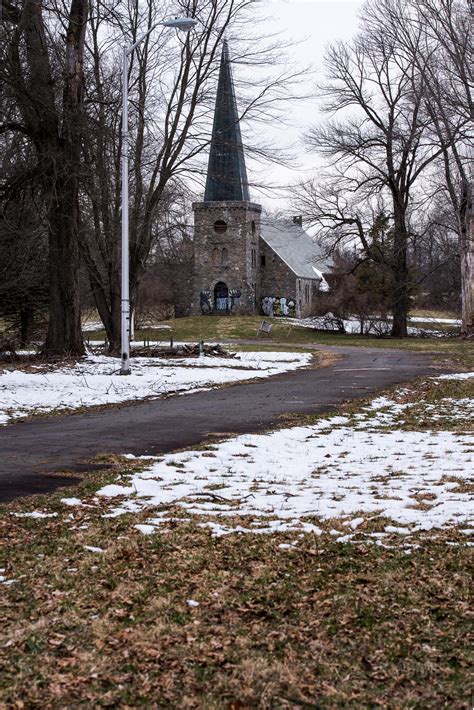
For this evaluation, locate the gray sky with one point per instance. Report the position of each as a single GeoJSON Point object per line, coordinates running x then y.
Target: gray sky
{"type": "Point", "coordinates": [312, 24]}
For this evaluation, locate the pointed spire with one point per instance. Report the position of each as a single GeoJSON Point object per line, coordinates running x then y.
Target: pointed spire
{"type": "Point", "coordinates": [226, 173]}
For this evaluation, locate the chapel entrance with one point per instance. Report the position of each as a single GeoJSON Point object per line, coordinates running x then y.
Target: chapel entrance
{"type": "Point", "coordinates": [221, 297]}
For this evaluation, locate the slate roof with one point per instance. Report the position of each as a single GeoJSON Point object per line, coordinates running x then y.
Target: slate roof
{"type": "Point", "coordinates": [295, 247]}
{"type": "Point", "coordinates": [226, 172]}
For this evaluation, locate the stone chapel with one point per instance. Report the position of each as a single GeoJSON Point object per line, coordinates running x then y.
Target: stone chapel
{"type": "Point", "coordinates": [245, 263]}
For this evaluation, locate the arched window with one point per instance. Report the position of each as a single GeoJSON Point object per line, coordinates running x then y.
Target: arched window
{"type": "Point", "coordinates": [225, 257]}
{"type": "Point", "coordinates": [215, 256]}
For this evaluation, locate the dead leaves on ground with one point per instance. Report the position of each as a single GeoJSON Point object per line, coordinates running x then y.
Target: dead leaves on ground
{"type": "Point", "coordinates": [328, 625]}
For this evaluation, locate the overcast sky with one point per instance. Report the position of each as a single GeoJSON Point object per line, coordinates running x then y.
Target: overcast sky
{"type": "Point", "coordinates": [312, 24]}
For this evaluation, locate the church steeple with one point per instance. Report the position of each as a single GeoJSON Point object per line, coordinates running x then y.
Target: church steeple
{"type": "Point", "coordinates": [226, 173]}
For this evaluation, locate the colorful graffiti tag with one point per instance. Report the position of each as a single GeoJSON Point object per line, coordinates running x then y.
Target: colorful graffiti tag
{"type": "Point", "coordinates": [278, 306]}
{"type": "Point", "coordinates": [206, 300]}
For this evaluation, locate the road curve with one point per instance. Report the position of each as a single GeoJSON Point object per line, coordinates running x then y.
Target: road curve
{"type": "Point", "coordinates": [34, 453]}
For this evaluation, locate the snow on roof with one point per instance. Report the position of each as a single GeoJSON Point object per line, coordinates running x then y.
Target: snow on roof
{"type": "Point", "coordinates": [295, 247]}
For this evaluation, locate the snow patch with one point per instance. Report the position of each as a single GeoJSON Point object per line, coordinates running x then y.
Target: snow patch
{"type": "Point", "coordinates": [35, 514]}
{"type": "Point", "coordinates": [456, 376]}
{"type": "Point", "coordinates": [71, 501]}
{"type": "Point", "coordinates": [331, 470]}
{"type": "Point", "coordinates": [145, 529]}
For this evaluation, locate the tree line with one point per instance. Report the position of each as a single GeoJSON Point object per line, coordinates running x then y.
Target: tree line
{"type": "Point", "coordinates": [60, 190]}
{"type": "Point", "coordinates": [398, 145]}
{"type": "Point", "coordinates": [395, 142]}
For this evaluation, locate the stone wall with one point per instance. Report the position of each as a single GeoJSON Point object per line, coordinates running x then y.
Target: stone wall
{"type": "Point", "coordinates": [308, 290]}
{"type": "Point", "coordinates": [281, 291]}
{"type": "Point", "coordinates": [226, 251]}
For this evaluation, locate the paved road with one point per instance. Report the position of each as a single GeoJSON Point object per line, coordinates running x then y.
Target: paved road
{"type": "Point", "coordinates": [33, 454]}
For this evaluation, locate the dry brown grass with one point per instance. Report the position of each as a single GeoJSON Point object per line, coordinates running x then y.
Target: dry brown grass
{"type": "Point", "coordinates": [321, 625]}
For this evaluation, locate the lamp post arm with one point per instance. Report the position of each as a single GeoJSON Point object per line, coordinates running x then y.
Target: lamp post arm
{"type": "Point", "coordinates": [140, 39]}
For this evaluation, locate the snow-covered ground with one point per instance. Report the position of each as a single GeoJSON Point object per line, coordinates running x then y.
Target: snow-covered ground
{"type": "Point", "coordinates": [350, 470]}
{"type": "Point", "coordinates": [435, 321]}
{"type": "Point", "coordinates": [356, 478]}
{"type": "Point", "coordinates": [374, 325]}
{"type": "Point", "coordinates": [96, 380]}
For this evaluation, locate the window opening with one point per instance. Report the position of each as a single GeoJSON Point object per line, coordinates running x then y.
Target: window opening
{"type": "Point", "coordinates": [220, 226]}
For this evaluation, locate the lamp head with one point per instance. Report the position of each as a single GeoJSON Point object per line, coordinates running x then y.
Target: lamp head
{"type": "Point", "coordinates": [185, 24]}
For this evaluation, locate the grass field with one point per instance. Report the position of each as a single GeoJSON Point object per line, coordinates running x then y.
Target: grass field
{"type": "Point", "coordinates": [218, 328]}
{"type": "Point", "coordinates": [326, 625]}
{"type": "Point", "coordinates": [429, 314]}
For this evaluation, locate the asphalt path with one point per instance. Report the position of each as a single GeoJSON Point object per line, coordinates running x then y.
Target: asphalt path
{"type": "Point", "coordinates": [35, 455]}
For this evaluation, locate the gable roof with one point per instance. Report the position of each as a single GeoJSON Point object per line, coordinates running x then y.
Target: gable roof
{"type": "Point", "coordinates": [295, 247]}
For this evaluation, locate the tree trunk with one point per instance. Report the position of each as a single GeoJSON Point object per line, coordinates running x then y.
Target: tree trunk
{"type": "Point", "coordinates": [26, 320]}
{"type": "Point", "coordinates": [400, 288]}
{"type": "Point", "coordinates": [466, 248]}
{"type": "Point", "coordinates": [106, 292]}
{"type": "Point", "coordinates": [110, 316]}
{"type": "Point", "coordinates": [64, 336]}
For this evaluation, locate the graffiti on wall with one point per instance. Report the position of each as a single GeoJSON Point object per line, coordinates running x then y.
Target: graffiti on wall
{"type": "Point", "coordinates": [234, 297]}
{"type": "Point", "coordinates": [278, 306]}
{"type": "Point", "coordinates": [205, 302]}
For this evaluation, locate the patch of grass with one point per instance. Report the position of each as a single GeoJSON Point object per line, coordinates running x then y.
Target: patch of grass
{"type": "Point", "coordinates": [222, 328]}
{"type": "Point", "coordinates": [323, 625]}
{"type": "Point", "coordinates": [462, 485]}
{"type": "Point", "coordinates": [431, 405]}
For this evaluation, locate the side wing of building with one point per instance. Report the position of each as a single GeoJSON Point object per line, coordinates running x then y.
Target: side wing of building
{"type": "Point", "coordinates": [292, 269]}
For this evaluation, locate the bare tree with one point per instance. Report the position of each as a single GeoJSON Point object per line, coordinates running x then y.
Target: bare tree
{"type": "Point", "coordinates": [382, 145]}
{"type": "Point", "coordinates": [63, 75]}
{"type": "Point", "coordinates": [436, 37]}
{"type": "Point", "coordinates": [172, 89]}
{"type": "Point", "coordinates": [23, 240]}
{"type": "Point", "coordinates": [48, 107]}
{"type": "Point", "coordinates": [436, 257]}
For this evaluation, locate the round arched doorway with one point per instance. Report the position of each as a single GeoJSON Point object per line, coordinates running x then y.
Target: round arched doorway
{"type": "Point", "coordinates": [221, 297]}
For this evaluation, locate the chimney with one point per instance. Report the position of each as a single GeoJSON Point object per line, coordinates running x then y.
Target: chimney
{"type": "Point", "coordinates": [298, 219]}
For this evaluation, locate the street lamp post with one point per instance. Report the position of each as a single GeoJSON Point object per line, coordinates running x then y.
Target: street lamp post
{"type": "Point", "coordinates": [185, 24]}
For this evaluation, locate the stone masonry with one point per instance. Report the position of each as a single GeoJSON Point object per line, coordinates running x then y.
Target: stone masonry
{"type": "Point", "coordinates": [278, 279]}
{"type": "Point", "coordinates": [226, 258]}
